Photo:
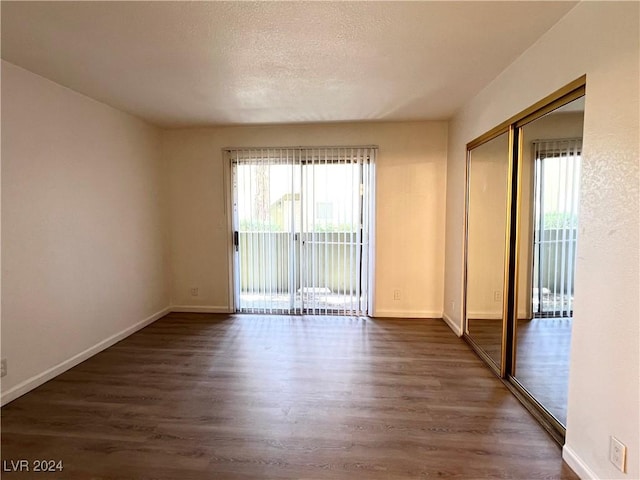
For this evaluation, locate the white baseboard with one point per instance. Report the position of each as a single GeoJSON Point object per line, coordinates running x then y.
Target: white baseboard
{"type": "Point", "coordinates": [484, 316]}
{"type": "Point", "coordinates": [405, 314]}
{"type": "Point", "coordinates": [200, 309]}
{"type": "Point", "coordinates": [577, 464]}
{"type": "Point", "coordinates": [452, 324]}
{"type": "Point", "coordinates": [65, 365]}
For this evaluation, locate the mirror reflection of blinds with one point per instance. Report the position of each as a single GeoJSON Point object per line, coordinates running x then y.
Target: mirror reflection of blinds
{"type": "Point", "coordinates": [557, 174]}
{"type": "Point", "coordinates": [257, 155]}
{"type": "Point", "coordinates": [303, 217]}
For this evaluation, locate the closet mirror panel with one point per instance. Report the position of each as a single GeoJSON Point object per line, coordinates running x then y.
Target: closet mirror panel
{"type": "Point", "coordinates": [548, 231]}
{"type": "Point", "coordinates": [487, 202]}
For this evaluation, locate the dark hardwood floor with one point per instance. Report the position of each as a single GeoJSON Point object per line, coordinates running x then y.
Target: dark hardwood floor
{"type": "Point", "coordinates": [199, 396]}
{"type": "Point", "coordinates": [542, 363]}
{"type": "Point", "coordinates": [542, 359]}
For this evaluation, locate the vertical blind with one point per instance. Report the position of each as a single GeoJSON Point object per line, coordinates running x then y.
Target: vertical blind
{"type": "Point", "coordinates": [557, 181]}
{"type": "Point", "coordinates": [302, 221]}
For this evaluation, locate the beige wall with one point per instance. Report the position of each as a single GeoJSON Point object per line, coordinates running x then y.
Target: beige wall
{"type": "Point", "coordinates": [83, 230]}
{"type": "Point", "coordinates": [601, 40]}
{"type": "Point", "coordinates": [83, 234]}
{"type": "Point", "coordinates": [488, 182]}
{"type": "Point", "coordinates": [410, 202]}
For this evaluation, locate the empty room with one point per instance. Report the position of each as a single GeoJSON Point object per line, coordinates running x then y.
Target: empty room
{"type": "Point", "coordinates": [320, 240]}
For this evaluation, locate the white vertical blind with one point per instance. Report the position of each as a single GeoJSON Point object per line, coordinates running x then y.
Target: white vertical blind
{"type": "Point", "coordinates": [557, 173]}
{"type": "Point", "coordinates": [303, 218]}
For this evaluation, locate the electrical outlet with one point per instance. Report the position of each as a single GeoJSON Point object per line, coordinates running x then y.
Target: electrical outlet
{"type": "Point", "coordinates": [3, 367]}
{"type": "Point", "coordinates": [194, 292]}
{"type": "Point", "coordinates": [497, 296]}
{"type": "Point", "coordinates": [453, 307]}
{"type": "Point", "coordinates": [617, 453]}
{"type": "Point", "coordinates": [396, 294]}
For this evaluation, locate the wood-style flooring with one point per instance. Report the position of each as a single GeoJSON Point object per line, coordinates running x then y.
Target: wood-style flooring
{"type": "Point", "coordinates": [542, 362]}
{"type": "Point", "coordinates": [542, 358]}
{"type": "Point", "coordinates": [203, 396]}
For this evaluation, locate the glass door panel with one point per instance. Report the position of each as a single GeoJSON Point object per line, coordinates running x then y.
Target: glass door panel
{"type": "Point", "coordinates": [267, 216]}
{"type": "Point", "coordinates": [332, 244]}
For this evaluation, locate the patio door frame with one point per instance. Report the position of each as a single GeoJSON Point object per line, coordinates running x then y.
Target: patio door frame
{"type": "Point", "coordinates": [228, 176]}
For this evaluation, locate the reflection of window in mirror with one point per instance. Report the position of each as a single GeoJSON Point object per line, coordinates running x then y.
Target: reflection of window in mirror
{"type": "Point", "coordinates": [551, 161]}
{"type": "Point", "coordinates": [551, 152]}
{"type": "Point", "coordinates": [520, 262]}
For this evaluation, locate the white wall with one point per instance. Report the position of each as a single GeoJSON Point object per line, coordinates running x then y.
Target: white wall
{"type": "Point", "coordinates": [83, 234]}
{"type": "Point", "coordinates": [600, 39]}
{"type": "Point", "coordinates": [411, 168]}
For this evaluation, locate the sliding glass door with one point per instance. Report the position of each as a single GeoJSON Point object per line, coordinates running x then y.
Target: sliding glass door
{"type": "Point", "coordinates": [302, 223]}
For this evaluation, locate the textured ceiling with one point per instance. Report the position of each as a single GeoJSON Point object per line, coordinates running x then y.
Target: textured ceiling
{"type": "Point", "coordinates": [212, 63]}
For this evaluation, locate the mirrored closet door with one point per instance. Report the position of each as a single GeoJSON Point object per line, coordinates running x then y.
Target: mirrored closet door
{"type": "Point", "coordinates": [522, 197]}
{"type": "Point", "coordinates": [487, 214]}
{"type": "Point", "coordinates": [550, 159]}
